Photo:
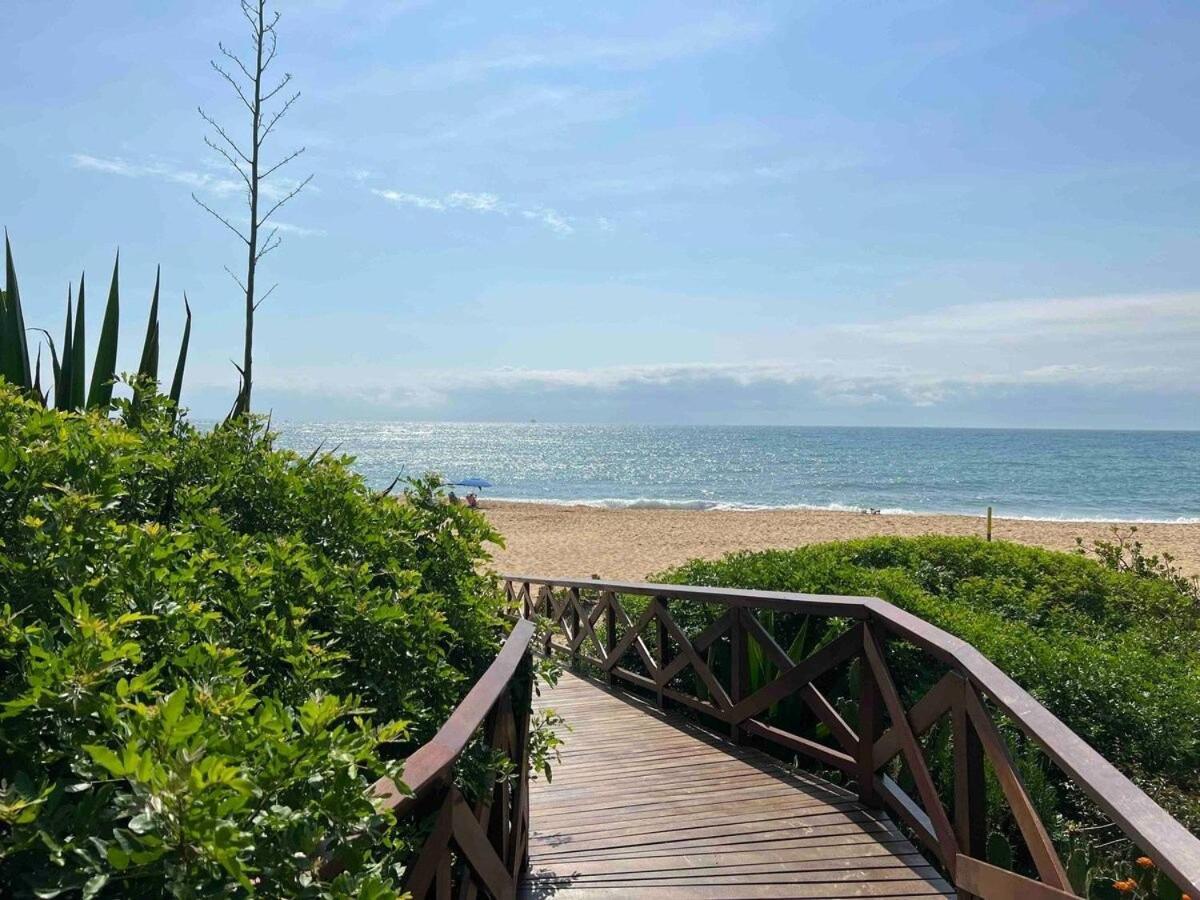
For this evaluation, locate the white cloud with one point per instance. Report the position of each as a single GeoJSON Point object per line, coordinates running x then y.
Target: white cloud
{"type": "Point", "coordinates": [482, 203]}
{"type": "Point", "coordinates": [1017, 362]}
{"type": "Point", "coordinates": [200, 182]}
{"type": "Point", "coordinates": [1024, 320]}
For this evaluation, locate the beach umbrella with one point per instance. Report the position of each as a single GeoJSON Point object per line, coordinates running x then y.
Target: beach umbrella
{"type": "Point", "coordinates": [479, 483]}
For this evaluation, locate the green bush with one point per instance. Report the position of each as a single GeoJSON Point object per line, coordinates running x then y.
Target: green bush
{"type": "Point", "coordinates": [1114, 655]}
{"type": "Point", "coordinates": [209, 648]}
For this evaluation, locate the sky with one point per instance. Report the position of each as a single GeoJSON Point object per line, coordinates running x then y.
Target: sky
{"type": "Point", "coordinates": [861, 213]}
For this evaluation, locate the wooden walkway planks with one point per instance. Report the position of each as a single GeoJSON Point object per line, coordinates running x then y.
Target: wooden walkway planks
{"type": "Point", "coordinates": [644, 804]}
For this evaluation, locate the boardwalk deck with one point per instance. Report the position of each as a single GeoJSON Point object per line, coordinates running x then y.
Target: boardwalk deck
{"type": "Point", "coordinates": [645, 804]}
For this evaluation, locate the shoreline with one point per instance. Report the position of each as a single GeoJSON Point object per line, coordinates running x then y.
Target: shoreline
{"type": "Point", "coordinates": [563, 540]}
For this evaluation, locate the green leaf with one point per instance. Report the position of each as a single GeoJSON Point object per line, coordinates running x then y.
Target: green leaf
{"type": "Point", "coordinates": [148, 367]}
{"type": "Point", "coordinates": [106, 758]}
{"type": "Point", "coordinates": [62, 373]}
{"type": "Point", "coordinates": [78, 353]}
{"type": "Point", "coordinates": [173, 708]}
{"type": "Point", "coordinates": [1077, 870]}
{"type": "Point", "coordinates": [141, 823]}
{"type": "Point", "coordinates": [177, 382]}
{"type": "Point", "coordinates": [104, 370]}
{"type": "Point", "coordinates": [95, 885]}
{"type": "Point", "coordinates": [14, 351]}
{"type": "Point", "coordinates": [999, 851]}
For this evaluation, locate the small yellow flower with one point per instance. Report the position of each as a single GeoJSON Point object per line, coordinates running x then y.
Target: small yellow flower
{"type": "Point", "coordinates": [1125, 887]}
{"type": "Point", "coordinates": [1145, 862]}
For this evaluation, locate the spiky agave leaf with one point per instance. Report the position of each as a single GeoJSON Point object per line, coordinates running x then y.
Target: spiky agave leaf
{"type": "Point", "coordinates": [75, 388]}
{"type": "Point", "coordinates": [14, 351]}
{"type": "Point", "coordinates": [148, 366]}
{"type": "Point", "coordinates": [177, 382]}
{"type": "Point", "coordinates": [37, 378]}
{"type": "Point", "coordinates": [55, 365]}
{"type": "Point", "coordinates": [62, 371]}
{"type": "Point", "coordinates": [104, 370]}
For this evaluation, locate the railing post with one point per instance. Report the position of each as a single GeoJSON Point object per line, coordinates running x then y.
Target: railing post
{"type": "Point", "coordinates": [521, 723]}
{"type": "Point", "coordinates": [548, 640]}
{"type": "Point", "coordinates": [664, 655]}
{"type": "Point", "coordinates": [575, 598]}
{"type": "Point", "coordinates": [870, 727]}
{"type": "Point", "coordinates": [737, 668]}
{"type": "Point", "coordinates": [610, 633]}
{"type": "Point", "coordinates": [970, 789]}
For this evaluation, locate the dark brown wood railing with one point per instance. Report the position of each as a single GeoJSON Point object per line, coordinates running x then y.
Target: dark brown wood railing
{"type": "Point", "coordinates": [479, 846]}
{"type": "Point", "coordinates": [590, 623]}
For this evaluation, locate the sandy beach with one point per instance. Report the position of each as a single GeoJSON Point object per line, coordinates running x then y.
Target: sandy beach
{"type": "Point", "coordinates": [545, 539]}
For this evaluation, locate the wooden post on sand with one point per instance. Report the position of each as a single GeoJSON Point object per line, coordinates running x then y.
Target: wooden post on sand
{"type": "Point", "coordinates": [989, 523]}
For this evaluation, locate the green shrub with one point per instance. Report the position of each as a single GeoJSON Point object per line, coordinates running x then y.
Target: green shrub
{"type": "Point", "coordinates": [209, 648]}
{"type": "Point", "coordinates": [1113, 654]}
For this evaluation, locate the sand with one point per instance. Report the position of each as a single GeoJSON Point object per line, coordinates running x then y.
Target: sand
{"type": "Point", "coordinates": [629, 544]}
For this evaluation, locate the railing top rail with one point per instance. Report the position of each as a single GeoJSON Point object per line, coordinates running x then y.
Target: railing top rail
{"type": "Point", "coordinates": [1175, 849]}
{"type": "Point", "coordinates": [429, 763]}
{"type": "Point", "coordinates": [821, 604]}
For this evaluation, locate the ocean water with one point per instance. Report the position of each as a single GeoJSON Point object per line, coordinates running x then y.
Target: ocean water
{"type": "Point", "coordinates": [1133, 476]}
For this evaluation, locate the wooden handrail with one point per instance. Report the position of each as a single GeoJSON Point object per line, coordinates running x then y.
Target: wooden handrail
{"type": "Point", "coordinates": [1174, 849]}
{"type": "Point", "coordinates": [430, 763]}
{"type": "Point", "coordinates": [471, 844]}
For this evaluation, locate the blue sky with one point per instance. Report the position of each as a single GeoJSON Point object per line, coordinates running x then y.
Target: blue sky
{"type": "Point", "coordinates": [916, 213]}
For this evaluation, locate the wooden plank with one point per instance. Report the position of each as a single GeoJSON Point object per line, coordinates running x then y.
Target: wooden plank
{"type": "Point", "coordinates": [992, 883]}
{"type": "Point", "coordinates": [645, 804]}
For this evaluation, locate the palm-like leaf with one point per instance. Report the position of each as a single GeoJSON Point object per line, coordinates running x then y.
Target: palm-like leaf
{"type": "Point", "coordinates": [148, 365]}
{"type": "Point", "coordinates": [14, 351]}
{"type": "Point", "coordinates": [177, 382]}
{"type": "Point", "coordinates": [75, 388]}
{"type": "Point", "coordinates": [104, 370]}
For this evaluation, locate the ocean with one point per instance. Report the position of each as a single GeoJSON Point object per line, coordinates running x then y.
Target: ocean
{"type": "Point", "coordinates": [1041, 474]}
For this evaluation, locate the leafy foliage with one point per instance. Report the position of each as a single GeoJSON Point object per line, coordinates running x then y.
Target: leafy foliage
{"type": "Point", "coordinates": [209, 648]}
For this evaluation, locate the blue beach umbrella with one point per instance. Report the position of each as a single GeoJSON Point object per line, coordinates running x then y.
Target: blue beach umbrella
{"type": "Point", "coordinates": [479, 483]}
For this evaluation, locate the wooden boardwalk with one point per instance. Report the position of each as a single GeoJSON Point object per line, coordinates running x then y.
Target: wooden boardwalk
{"type": "Point", "coordinates": [645, 804]}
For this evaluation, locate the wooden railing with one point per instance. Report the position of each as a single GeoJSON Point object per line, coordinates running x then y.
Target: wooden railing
{"type": "Point", "coordinates": [480, 846]}
{"type": "Point", "coordinates": [590, 623]}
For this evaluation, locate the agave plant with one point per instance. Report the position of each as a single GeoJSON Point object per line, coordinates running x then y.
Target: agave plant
{"type": "Point", "coordinates": [70, 371]}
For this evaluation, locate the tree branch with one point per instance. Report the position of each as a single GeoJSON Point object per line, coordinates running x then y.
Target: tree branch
{"type": "Point", "coordinates": [263, 298]}
{"type": "Point", "coordinates": [279, 115]}
{"type": "Point", "coordinates": [283, 162]}
{"type": "Point", "coordinates": [287, 77]}
{"type": "Point", "coordinates": [221, 131]}
{"type": "Point", "coordinates": [297, 189]}
{"type": "Point", "coordinates": [272, 241]}
{"type": "Point", "coordinates": [270, 31]}
{"type": "Point", "coordinates": [236, 87]}
{"type": "Point", "coordinates": [236, 280]}
{"type": "Point", "coordinates": [251, 18]}
{"type": "Point", "coordinates": [229, 159]}
{"type": "Point", "coordinates": [220, 218]}
{"type": "Point", "coordinates": [237, 59]}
